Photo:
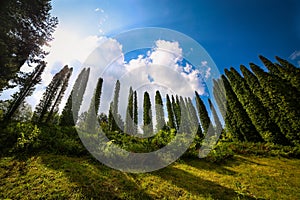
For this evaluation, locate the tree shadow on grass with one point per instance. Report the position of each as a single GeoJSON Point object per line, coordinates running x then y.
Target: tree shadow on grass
{"type": "Point", "coordinates": [198, 186]}
{"type": "Point", "coordinates": [95, 180]}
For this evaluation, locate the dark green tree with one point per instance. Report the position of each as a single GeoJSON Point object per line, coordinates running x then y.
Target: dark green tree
{"type": "Point", "coordinates": [52, 96]}
{"type": "Point", "coordinates": [160, 117]}
{"type": "Point", "coordinates": [203, 114]}
{"type": "Point", "coordinates": [171, 117]}
{"type": "Point", "coordinates": [193, 118]}
{"type": "Point", "coordinates": [129, 121]}
{"type": "Point", "coordinates": [287, 108]}
{"type": "Point", "coordinates": [177, 111]}
{"type": "Point", "coordinates": [25, 27]}
{"type": "Point", "coordinates": [147, 115]}
{"type": "Point", "coordinates": [135, 112]}
{"type": "Point", "coordinates": [243, 129]}
{"type": "Point", "coordinates": [254, 107]}
{"type": "Point", "coordinates": [92, 113]}
{"type": "Point", "coordinates": [218, 128]}
{"type": "Point", "coordinates": [69, 114]}
{"type": "Point", "coordinates": [26, 89]}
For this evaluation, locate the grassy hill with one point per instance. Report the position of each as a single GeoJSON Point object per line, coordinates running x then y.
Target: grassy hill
{"type": "Point", "coordinates": [49, 176]}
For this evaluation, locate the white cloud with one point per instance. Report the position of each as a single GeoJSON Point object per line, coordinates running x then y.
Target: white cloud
{"type": "Point", "coordinates": [99, 10]}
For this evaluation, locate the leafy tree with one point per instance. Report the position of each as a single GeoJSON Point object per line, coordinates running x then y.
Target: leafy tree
{"type": "Point", "coordinates": [26, 89]}
{"type": "Point", "coordinates": [69, 114]}
{"type": "Point", "coordinates": [94, 107]}
{"type": "Point", "coordinates": [203, 114]}
{"type": "Point", "coordinates": [115, 119]}
{"type": "Point", "coordinates": [135, 112]}
{"type": "Point", "coordinates": [160, 117]}
{"type": "Point", "coordinates": [129, 121]}
{"type": "Point", "coordinates": [25, 27]}
{"type": "Point", "coordinates": [219, 128]}
{"type": "Point", "coordinates": [177, 111]}
{"type": "Point", "coordinates": [52, 96]}
{"type": "Point", "coordinates": [287, 108]}
{"type": "Point", "coordinates": [242, 127]}
{"type": "Point", "coordinates": [253, 106]}
{"type": "Point", "coordinates": [171, 117]}
{"type": "Point", "coordinates": [147, 115]}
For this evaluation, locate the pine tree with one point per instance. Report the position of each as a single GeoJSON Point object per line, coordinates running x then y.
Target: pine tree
{"type": "Point", "coordinates": [160, 117]}
{"type": "Point", "coordinates": [135, 112]}
{"type": "Point", "coordinates": [94, 107]}
{"type": "Point", "coordinates": [52, 96]}
{"type": "Point", "coordinates": [203, 114]}
{"type": "Point", "coordinates": [171, 117]}
{"type": "Point", "coordinates": [219, 128]}
{"type": "Point", "coordinates": [243, 127]}
{"type": "Point", "coordinates": [129, 121]}
{"type": "Point", "coordinates": [26, 89]}
{"type": "Point", "coordinates": [253, 106]}
{"type": "Point", "coordinates": [185, 123]}
{"type": "Point", "coordinates": [70, 112]}
{"type": "Point", "coordinates": [115, 118]}
{"type": "Point", "coordinates": [60, 95]}
{"type": "Point", "coordinates": [177, 111]}
{"type": "Point", "coordinates": [147, 115]}
{"type": "Point", "coordinates": [193, 119]}
{"type": "Point", "coordinates": [287, 109]}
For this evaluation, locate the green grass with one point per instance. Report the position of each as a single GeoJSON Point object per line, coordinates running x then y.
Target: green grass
{"type": "Point", "coordinates": [48, 176]}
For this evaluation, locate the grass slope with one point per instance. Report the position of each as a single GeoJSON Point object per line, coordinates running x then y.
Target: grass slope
{"type": "Point", "coordinates": [48, 176]}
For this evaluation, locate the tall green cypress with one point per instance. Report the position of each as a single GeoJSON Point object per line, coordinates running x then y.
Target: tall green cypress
{"type": "Point", "coordinates": [52, 96]}
{"type": "Point", "coordinates": [116, 121]}
{"type": "Point", "coordinates": [288, 110]}
{"type": "Point", "coordinates": [94, 107]}
{"type": "Point", "coordinates": [194, 122]}
{"type": "Point", "coordinates": [243, 126]}
{"type": "Point", "coordinates": [203, 114]}
{"type": "Point", "coordinates": [129, 121]}
{"type": "Point", "coordinates": [147, 115]}
{"type": "Point", "coordinates": [26, 89]}
{"type": "Point", "coordinates": [159, 110]}
{"type": "Point", "coordinates": [177, 111]}
{"type": "Point", "coordinates": [171, 117]}
{"type": "Point", "coordinates": [219, 128]}
{"type": "Point", "coordinates": [70, 112]}
{"type": "Point", "coordinates": [135, 112]}
{"type": "Point", "coordinates": [60, 95]}
{"type": "Point", "coordinates": [254, 107]}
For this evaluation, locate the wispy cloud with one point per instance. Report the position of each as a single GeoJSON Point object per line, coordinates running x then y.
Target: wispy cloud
{"type": "Point", "coordinates": [99, 10]}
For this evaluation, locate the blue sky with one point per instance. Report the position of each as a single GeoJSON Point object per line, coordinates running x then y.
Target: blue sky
{"type": "Point", "coordinates": [233, 32]}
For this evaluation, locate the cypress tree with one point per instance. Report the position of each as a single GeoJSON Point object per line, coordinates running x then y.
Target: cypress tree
{"type": "Point", "coordinates": [26, 89]}
{"type": "Point", "coordinates": [288, 110]}
{"type": "Point", "coordinates": [171, 117]}
{"type": "Point", "coordinates": [70, 112]}
{"type": "Point", "coordinates": [135, 112]}
{"type": "Point", "coordinates": [115, 120]}
{"type": "Point", "coordinates": [160, 117]}
{"type": "Point", "coordinates": [243, 127]}
{"type": "Point", "coordinates": [194, 122]}
{"type": "Point", "coordinates": [219, 128]}
{"type": "Point", "coordinates": [94, 107]}
{"type": "Point", "coordinates": [60, 95]}
{"type": "Point", "coordinates": [147, 115]}
{"type": "Point", "coordinates": [129, 121]}
{"type": "Point", "coordinates": [254, 107]}
{"type": "Point", "coordinates": [177, 111]}
{"type": "Point", "coordinates": [184, 123]}
{"type": "Point", "coordinates": [203, 114]}
{"type": "Point", "coordinates": [52, 96]}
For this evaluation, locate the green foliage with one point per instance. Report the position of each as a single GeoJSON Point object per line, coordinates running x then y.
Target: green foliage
{"type": "Point", "coordinates": [129, 121]}
{"type": "Point", "coordinates": [147, 115]}
{"type": "Point", "coordinates": [160, 117]}
{"type": "Point", "coordinates": [171, 117]}
{"type": "Point", "coordinates": [25, 27]}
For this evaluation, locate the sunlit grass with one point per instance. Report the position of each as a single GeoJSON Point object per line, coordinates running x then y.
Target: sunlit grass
{"type": "Point", "coordinates": [48, 176]}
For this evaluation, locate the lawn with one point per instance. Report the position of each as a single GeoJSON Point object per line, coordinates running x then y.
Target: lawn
{"type": "Point", "coordinates": [48, 176]}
